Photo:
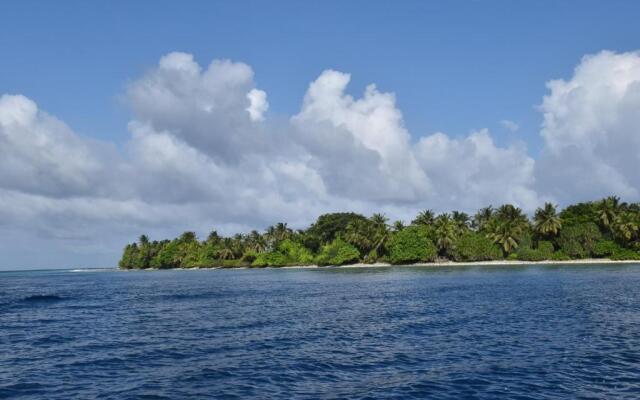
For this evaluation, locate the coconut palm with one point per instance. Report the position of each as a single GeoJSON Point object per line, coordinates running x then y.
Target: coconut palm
{"type": "Point", "coordinates": [425, 217]}
{"type": "Point", "coordinates": [462, 220]}
{"type": "Point", "coordinates": [511, 214]}
{"type": "Point", "coordinates": [256, 242]}
{"type": "Point", "coordinates": [626, 226]}
{"type": "Point", "coordinates": [144, 240]}
{"type": "Point", "coordinates": [482, 218]}
{"type": "Point", "coordinates": [446, 230]}
{"type": "Point", "coordinates": [546, 220]}
{"type": "Point", "coordinates": [226, 249]}
{"type": "Point", "coordinates": [379, 219]}
{"type": "Point", "coordinates": [398, 226]}
{"type": "Point", "coordinates": [507, 227]}
{"type": "Point", "coordinates": [505, 234]}
{"type": "Point", "coordinates": [360, 233]}
{"type": "Point", "coordinates": [608, 210]}
{"type": "Point", "coordinates": [282, 231]}
{"type": "Point", "coordinates": [380, 232]}
{"type": "Point", "coordinates": [213, 238]}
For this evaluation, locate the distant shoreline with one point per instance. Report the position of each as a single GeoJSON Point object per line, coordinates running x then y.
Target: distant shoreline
{"type": "Point", "coordinates": [496, 263]}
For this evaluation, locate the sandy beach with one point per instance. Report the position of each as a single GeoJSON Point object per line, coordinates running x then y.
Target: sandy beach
{"type": "Point", "coordinates": [504, 263]}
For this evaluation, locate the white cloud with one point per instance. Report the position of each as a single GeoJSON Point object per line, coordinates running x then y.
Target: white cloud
{"type": "Point", "coordinates": [510, 125]}
{"type": "Point", "coordinates": [590, 129]}
{"type": "Point", "coordinates": [203, 153]}
{"type": "Point", "coordinates": [258, 104]}
{"type": "Point", "coordinates": [473, 171]}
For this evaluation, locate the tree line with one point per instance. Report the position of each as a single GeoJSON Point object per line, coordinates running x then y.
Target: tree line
{"type": "Point", "coordinates": [607, 228]}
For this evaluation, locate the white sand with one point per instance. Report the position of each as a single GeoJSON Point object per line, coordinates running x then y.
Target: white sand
{"type": "Point", "coordinates": [505, 263]}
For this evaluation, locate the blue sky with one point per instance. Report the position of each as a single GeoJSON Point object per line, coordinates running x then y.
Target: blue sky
{"type": "Point", "coordinates": [454, 65]}
{"type": "Point", "coordinates": [115, 122]}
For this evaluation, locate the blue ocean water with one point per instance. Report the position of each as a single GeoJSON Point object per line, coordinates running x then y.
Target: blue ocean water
{"type": "Point", "coordinates": [453, 333]}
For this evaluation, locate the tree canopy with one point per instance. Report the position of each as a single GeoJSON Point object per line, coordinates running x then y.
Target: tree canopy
{"type": "Point", "coordinates": [604, 228]}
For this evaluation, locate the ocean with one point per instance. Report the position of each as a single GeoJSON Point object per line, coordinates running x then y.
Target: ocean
{"type": "Point", "coordinates": [532, 332]}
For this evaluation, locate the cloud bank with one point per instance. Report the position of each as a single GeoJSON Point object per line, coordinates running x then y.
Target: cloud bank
{"type": "Point", "coordinates": [204, 153]}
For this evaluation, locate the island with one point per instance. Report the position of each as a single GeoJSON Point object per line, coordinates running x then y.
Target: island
{"type": "Point", "coordinates": [604, 229]}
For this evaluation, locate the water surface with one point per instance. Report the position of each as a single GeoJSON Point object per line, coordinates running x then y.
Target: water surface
{"type": "Point", "coordinates": [539, 332]}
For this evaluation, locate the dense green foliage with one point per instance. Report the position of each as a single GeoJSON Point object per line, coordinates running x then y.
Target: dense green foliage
{"type": "Point", "coordinates": [410, 245]}
{"type": "Point", "coordinates": [607, 228]}
{"type": "Point", "coordinates": [338, 252]}
{"type": "Point", "coordinates": [473, 246]}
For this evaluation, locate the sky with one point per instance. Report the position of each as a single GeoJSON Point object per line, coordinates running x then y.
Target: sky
{"type": "Point", "coordinates": [120, 118]}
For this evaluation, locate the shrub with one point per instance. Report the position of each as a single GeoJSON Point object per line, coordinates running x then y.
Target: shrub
{"type": "Point", "coordinates": [546, 248]}
{"type": "Point", "coordinates": [288, 252]}
{"type": "Point", "coordinates": [578, 241]}
{"type": "Point", "coordinates": [411, 245]}
{"type": "Point", "coordinates": [473, 246]}
{"type": "Point", "coordinates": [625, 254]}
{"type": "Point", "coordinates": [529, 254]}
{"type": "Point", "coordinates": [544, 251]}
{"type": "Point", "coordinates": [560, 256]}
{"type": "Point", "coordinates": [338, 252]}
{"type": "Point", "coordinates": [606, 248]}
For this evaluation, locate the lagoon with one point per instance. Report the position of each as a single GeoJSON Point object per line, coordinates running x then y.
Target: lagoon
{"type": "Point", "coordinates": [481, 332]}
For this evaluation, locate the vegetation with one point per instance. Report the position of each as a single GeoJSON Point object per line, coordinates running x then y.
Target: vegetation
{"type": "Point", "coordinates": [411, 245]}
{"type": "Point", "coordinates": [608, 228]}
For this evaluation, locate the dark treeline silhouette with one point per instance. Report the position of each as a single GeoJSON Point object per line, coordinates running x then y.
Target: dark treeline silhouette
{"type": "Point", "coordinates": [601, 229]}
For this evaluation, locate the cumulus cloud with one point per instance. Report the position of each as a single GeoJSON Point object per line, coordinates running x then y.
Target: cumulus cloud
{"type": "Point", "coordinates": [204, 153]}
{"type": "Point", "coordinates": [258, 104]}
{"type": "Point", "coordinates": [471, 171]}
{"type": "Point", "coordinates": [590, 129]}
{"type": "Point", "coordinates": [510, 125]}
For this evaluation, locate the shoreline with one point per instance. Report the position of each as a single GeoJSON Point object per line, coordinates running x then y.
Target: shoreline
{"type": "Point", "coordinates": [440, 264]}
{"type": "Point", "coordinates": [502, 263]}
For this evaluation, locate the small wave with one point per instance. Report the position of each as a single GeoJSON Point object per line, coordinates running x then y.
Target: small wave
{"type": "Point", "coordinates": [42, 298]}
{"type": "Point", "coordinates": [92, 269]}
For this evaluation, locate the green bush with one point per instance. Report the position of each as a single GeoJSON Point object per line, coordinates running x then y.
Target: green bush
{"type": "Point", "coordinates": [288, 252]}
{"type": "Point", "coordinates": [560, 256]}
{"type": "Point", "coordinates": [411, 245]}
{"type": "Point", "coordinates": [232, 263]}
{"type": "Point", "coordinates": [338, 252]}
{"type": "Point", "coordinates": [606, 248]}
{"type": "Point", "coordinates": [544, 251]}
{"type": "Point", "coordinates": [579, 241]}
{"type": "Point", "coordinates": [529, 254]}
{"type": "Point", "coordinates": [625, 254]}
{"type": "Point", "coordinates": [473, 246]}
{"type": "Point", "coordinates": [546, 248]}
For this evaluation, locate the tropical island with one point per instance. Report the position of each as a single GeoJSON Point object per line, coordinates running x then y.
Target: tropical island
{"type": "Point", "coordinates": [605, 229]}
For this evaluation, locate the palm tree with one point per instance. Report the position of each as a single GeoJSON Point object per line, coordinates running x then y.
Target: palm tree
{"type": "Point", "coordinates": [398, 226]}
{"type": "Point", "coordinates": [380, 232]}
{"type": "Point", "coordinates": [226, 251]}
{"type": "Point", "coordinates": [379, 219]}
{"type": "Point", "coordinates": [425, 217]}
{"type": "Point", "coordinates": [482, 218]}
{"type": "Point", "coordinates": [188, 237]}
{"type": "Point", "coordinates": [144, 240]}
{"type": "Point", "coordinates": [608, 210]}
{"type": "Point", "coordinates": [359, 233]}
{"type": "Point", "coordinates": [547, 221]}
{"type": "Point", "coordinates": [506, 235]}
{"type": "Point", "coordinates": [507, 227]}
{"type": "Point", "coordinates": [282, 231]}
{"type": "Point", "coordinates": [446, 230]}
{"type": "Point", "coordinates": [256, 242]}
{"type": "Point", "coordinates": [213, 238]}
{"type": "Point", "coordinates": [462, 220]}
{"type": "Point", "coordinates": [626, 226]}
{"type": "Point", "coordinates": [512, 214]}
